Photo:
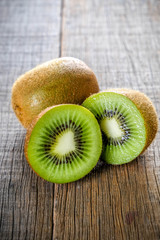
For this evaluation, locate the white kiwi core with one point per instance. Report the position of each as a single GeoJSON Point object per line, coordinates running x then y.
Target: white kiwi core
{"type": "Point", "coordinates": [111, 128]}
{"type": "Point", "coordinates": [64, 144]}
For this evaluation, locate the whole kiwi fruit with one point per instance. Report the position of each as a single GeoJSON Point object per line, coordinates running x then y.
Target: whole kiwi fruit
{"type": "Point", "coordinates": [147, 109]}
{"type": "Point", "coordinates": [62, 80]}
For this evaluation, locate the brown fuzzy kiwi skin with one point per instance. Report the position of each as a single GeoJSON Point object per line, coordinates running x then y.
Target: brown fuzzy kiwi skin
{"type": "Point", "coordinates": [60, 81]}
{"type": "Point", "coordinates": [146, 108]}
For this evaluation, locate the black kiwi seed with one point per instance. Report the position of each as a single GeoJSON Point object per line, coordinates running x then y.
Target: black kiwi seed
{"type": "Point", "coordinates": [73, 124]}
{"type": "Point", "coordinates": [119, 116]}
{"type": "Point", "coordinates": [97, 117]}
{"type": "Point", "coordinates": [52, 135]}
{"type": "Point", "coordinates": [46, 147]}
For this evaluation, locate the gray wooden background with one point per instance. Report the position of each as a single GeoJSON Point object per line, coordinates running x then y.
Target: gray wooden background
{"type": "Point", "coordinates": [120, 41]}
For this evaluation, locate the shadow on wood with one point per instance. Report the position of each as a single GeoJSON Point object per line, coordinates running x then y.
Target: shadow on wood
{"type": "Point", "coordinates": [113, 202]}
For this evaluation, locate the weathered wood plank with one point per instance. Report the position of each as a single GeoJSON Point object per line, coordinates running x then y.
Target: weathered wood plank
{"type": "Point", "coordinates": [120, 41]}
{"type": "Point", "coordinates": [29, 35]}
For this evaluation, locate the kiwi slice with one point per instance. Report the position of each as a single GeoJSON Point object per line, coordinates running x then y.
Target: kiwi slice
{"type": "Point", "coordinates": [122, 125]}
{"type": "Point", "coordinates": [147, 109]}
{"type": "Point", "coordinates": [64, 143]}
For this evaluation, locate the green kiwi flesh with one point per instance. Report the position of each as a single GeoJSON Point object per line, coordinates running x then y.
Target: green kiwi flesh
{"type": "Point", "coordinates": [122, 125]}
{"type": "Point", "coordinates": [65, 144]}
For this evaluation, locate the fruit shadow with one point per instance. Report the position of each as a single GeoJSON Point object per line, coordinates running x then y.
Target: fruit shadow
{"type": "Point", "coordinates": [102, 168]}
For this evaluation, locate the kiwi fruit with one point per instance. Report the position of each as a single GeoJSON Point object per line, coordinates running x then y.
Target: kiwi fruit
{"type": "Point", "coordinates": [123, 126]}
{"type": "Point", "coordinates": [63, 143]}
{"type": "Point", "coordinates": [145, 106]}
{"type": "Point", "coordinates": [62, 80]}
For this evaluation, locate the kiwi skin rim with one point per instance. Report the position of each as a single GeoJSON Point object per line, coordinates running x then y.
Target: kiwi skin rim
{"type": "Point", "coordinates": [146, 108]}
{"type": "Point", "coordinates": [30, 129]}
{"type": "Point", "coordinates": [29, 132]}
{"type": "Point", "coordinates": [59, 81]}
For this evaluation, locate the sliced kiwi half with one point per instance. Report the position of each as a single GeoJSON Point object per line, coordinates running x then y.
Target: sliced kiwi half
{"type": "Point", "coordinates": [122, 125]}
{"type": "Point", "coordinates": [64, 143]}
{"type": "Point", "coordinates": [146, 108]}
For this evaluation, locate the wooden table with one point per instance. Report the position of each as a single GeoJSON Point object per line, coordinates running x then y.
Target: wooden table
{"type": "Point", "coordinates": [120, 41]}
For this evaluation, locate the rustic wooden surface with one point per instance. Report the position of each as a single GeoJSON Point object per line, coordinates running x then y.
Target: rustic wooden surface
{"type": "Point", "coordinates": [120, 41]}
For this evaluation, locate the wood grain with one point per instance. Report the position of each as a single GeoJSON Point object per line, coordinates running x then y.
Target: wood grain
{"type": "Point", "coordinates": [29, 35]}
{"type": "Point", "coordinates": [120, 41]}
